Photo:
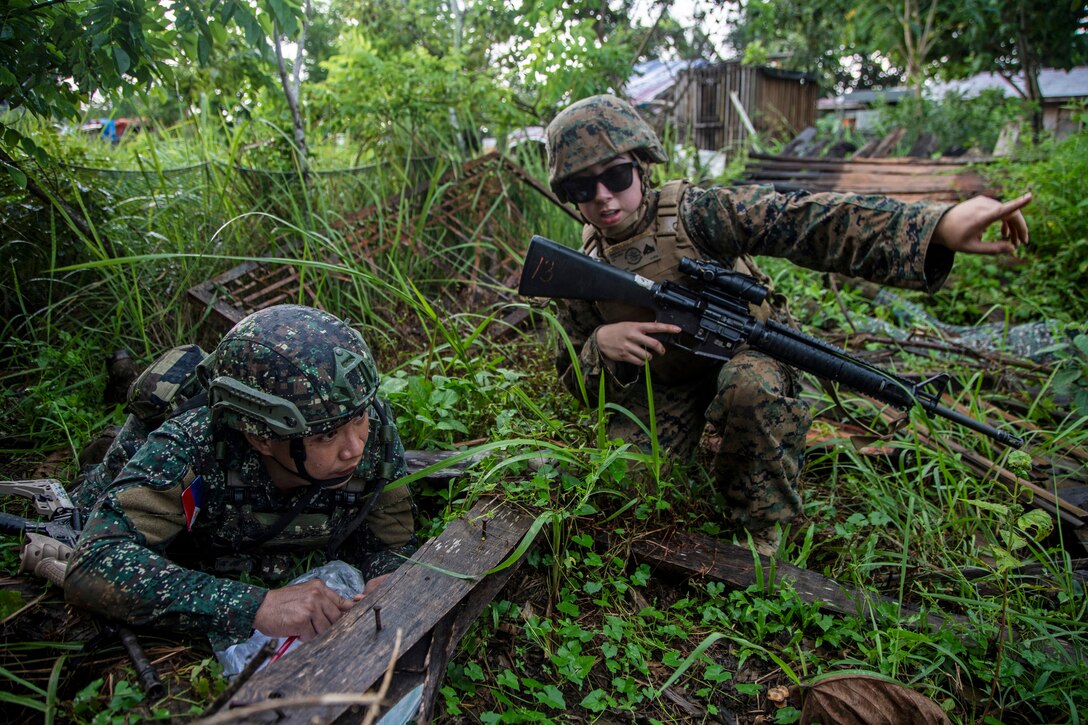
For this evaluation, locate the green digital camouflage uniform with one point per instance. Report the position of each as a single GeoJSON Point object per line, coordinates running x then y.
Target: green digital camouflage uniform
{"type": "Point", "coordinates": [146, 558]}
{"type": "Point", "coordinates": [752, 401]}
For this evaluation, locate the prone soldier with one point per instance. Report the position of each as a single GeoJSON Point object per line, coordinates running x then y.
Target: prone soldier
{"type": "Point", "coordinates": [288, 453]}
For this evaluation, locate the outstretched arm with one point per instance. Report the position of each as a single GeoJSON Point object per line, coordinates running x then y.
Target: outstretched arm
{"type": "Point", "coordinates": [962, 226]}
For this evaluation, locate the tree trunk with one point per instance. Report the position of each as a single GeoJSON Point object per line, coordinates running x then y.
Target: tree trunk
{"type": "Point", "coordinates": [290, 91]}
{"type": "Point", "coordinates": [1029, 65]}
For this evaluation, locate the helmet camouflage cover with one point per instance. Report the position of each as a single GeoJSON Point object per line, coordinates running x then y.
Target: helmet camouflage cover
{"type": "Point", "coordinates": [290, 371]}
{"type": "Point", "coordinates": [595, 130]}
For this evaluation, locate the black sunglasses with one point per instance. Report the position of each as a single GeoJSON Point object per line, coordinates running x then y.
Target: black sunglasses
{"type": "Point", "coordinates": [581, 189]}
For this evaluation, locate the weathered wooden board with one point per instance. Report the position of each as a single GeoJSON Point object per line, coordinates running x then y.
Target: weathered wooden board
{"type": "Point", "coordinates": [416, 461]}
{"type": "Point", "coordinates": [890, 182]}
{"type": "Point", "coordinates": [352, 656]}
{"type": "Point", "coordinates": [904, 179]}
{"type": "Point", "coordinates": [880, 163]}
{"type": "Point", "coordinates": [903, 164]}
{"type": "Point", "coordinates": [690, 554]}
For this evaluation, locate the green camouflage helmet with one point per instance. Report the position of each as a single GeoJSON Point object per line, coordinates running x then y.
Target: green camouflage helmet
{"type": "Point", "coordinates": [289, 371]}
{"type": "Point", "coordinates": [595, 130]}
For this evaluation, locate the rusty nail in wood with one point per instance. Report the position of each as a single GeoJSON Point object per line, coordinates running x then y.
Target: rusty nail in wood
{"type": "Point", "coordinates": [378, 618]}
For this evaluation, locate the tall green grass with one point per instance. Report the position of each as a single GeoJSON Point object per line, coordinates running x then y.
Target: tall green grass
{"type": "Point", "coordinates": [600, 634]}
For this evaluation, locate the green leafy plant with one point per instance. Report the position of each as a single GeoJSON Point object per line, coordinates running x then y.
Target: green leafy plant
{"type": "Point", "coordinates": [957, 122]}
{"type": "Point", "coordinates": [92, 705]}
{"type": "Point", "coordinates": [1071, 380]}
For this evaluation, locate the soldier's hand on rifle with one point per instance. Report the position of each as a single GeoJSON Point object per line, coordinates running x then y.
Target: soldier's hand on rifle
{"type": "Point", "coordinates": [961, 227]}
{"type": "Point", "coordinates": [302, 610]}
{"type": "Point", "coordinates": [631, 342]}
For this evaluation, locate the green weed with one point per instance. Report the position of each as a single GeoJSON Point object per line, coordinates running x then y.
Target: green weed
{"type": "Point", "coordinates": [590, 631]}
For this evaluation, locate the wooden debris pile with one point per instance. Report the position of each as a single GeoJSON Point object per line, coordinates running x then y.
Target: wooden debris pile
{"type": "Point", "coordinates": [1058, 481]}
{"type": "Point", "coordinates": [906, 179]}
{"type": "Point", "coordinates": [474, 207]}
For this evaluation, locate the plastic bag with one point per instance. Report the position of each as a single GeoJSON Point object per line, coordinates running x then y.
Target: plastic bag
{"type": "Point", "coordinates": [342, 578]}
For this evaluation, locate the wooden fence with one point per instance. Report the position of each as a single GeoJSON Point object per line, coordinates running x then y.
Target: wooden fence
{"type": "Point", "coordinates": [778, 103]}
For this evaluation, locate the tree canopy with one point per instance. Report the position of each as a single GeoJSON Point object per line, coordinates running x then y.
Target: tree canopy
{"type": "Point", "coordinates": [382, 61]}
{"type": "Point", "coordinates": [865, 44]}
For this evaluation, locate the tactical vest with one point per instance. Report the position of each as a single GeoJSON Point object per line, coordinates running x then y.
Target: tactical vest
{"type": "Point", "coordinates": [243, 518]}
{"type": "Point", "coordinates": [655, 253]}
{"type": "Point", "coordinates": [310, 529]}
{"type": "Point", "coordinates": [247, 535]}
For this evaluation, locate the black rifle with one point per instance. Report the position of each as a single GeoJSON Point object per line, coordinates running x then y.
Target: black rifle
{"type": "Point", "coordinates": [63, 521]}
{"type": "Point", "coordinates": [45, 554]}
{"type": "Point", "coordinates": [716, 321]}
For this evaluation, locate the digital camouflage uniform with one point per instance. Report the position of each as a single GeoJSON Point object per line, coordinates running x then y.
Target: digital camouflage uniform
{"type": "Point", "coordinates": [752, 401]}
{"type": "Point", "coordinates": [148, 559]}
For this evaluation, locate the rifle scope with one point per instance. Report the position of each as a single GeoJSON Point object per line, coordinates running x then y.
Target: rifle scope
{"type": "Point", "coordinates": [726, 280]}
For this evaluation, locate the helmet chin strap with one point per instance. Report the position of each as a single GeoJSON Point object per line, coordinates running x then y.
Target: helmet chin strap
{"type": "Point", "coordinates": [298, 456]}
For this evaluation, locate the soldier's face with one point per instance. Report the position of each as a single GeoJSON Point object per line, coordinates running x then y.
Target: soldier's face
{"type": "Point", "coordinates": [610, 204]}
{"type": "Point", "coordinates": [331, 455]}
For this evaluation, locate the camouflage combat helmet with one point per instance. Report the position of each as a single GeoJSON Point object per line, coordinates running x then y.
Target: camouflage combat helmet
{"type": "Point", "coordinates": [288, 372]}
{"type": "Point", "coordinates": [595, 130]}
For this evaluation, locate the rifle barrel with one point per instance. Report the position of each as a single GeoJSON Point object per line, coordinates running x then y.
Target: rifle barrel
{"type": "Point", "coordinates": [827, 361]}
{"type": "Point", "coordinates": [149, 677]}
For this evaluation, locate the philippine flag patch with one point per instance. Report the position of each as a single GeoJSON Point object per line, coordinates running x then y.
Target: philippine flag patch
{"type": "Point", "coordinates": [192, 500]}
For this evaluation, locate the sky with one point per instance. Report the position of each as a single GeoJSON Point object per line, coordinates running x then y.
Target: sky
{"type": "Point", "coordinates": [715, 23]}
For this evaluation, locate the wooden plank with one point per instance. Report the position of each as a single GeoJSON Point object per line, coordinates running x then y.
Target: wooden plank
{"type": "Point", "coordinates": [872, 181]}
{"type": "Point", "coordinates": [904, 179]}
{"type": "Point", "coordinates": [353, 655]}
{"type": "Point", "coordinates": [455, 626]}
{"type": "Point", "coordinates": [948, 195]}
{"type": "Point", "coordinates": [425, 664]}
{"type": "Point", "coordinates": [893, 161]}
{"type": "Point", "coordinates": [853, 165]}
{"type": "Point", "coordinates": [416, 461]}
{"type": "Point", "coordinates": [690, 554]}
{"type": "Point", "coordinates": [944, 177]}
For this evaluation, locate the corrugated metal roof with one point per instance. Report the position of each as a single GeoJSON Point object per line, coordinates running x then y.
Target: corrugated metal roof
{"type": "Point", "coordinates": [1052, 82]}
{"type": "Point", "coordinates": [653, 78]}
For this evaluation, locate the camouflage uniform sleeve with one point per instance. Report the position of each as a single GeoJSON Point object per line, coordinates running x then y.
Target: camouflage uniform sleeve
{"type": "Point", "coordinates": [873, 237]}
{"type": "Point", "coordinates": [580, 320]}
{"type": "Point", "coordinates": [119, 568]}
{"type": "Point", "coordinates": [390, 532]}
